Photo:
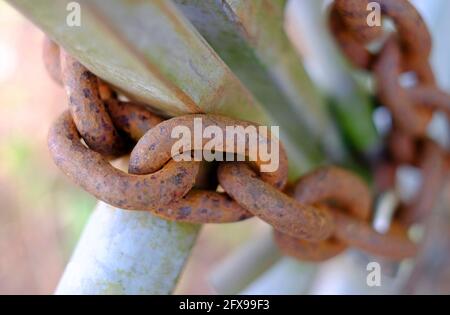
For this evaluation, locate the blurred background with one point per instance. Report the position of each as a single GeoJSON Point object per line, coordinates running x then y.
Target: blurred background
{"type": "Point", "coordinates": [42, 214]}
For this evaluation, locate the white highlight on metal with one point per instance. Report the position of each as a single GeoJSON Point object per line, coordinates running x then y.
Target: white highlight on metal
{"type": "Point", "coordinates": [382, 119]}
{"type": "Point", "coordinates": [408, 181]}
{"type": "Point", "coordinates": [439, 129]}
{"type": "Point", "coordinates": [385, 208]}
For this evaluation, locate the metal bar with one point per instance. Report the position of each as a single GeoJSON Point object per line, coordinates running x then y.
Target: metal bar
{"type": "Point", "coordinates": [249, 37]}
{"type": "Point", "coordinates": [127, 252]}
{"type": "Point", "coordinates": [153, 54]}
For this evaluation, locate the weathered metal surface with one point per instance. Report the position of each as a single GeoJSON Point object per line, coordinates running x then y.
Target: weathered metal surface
{"type": "Point", "coordinates": [406, 50]}
{"type": "Point", "coordinates": [96, 175]}
{"type": "Point", "coordinates": [303, 217]}
{"type": "Point", "coordinates": [430, 97]}
{"type": "Point", "coordinates": [307, 250]}
{"type": "Point", "coordinates": [174, 70]}
{"type": "Point", "coordinates": [336, 185]}
{"type": "Point", "coordinates": [87, 109]}
{"type": "Point", "coordinates": [353, 196]}
{"type": "Point", "coordinates": [355, 52]}
{"type": "Point", "coordinates": [160, 192]}
{"type": "Point", "coordinates": [249, 37]}
{"type": "Point", "coordinates": [354, 17]}
{"type": "Point", "coordinates": [156, 58]}
{"type": "Point", "coordinates": [131, 118]}
{"type": "Point", "coordinates": [154, 149]}
{"type": "Point", "coordinates": [202, 206]}
{"type": "Point", "coordinates": [395, 244]}
{"type": "Point", "coordinates": [127, 252]}
{"type": "Point", "coordinates": [413, 33]}
{"type": "Point", "coordinates": [271, 205]}
{"type": "Point", "coordinates": [322, 186]}
{"type": "Point", "coordinates": [401, 147]}
{"type": "Point", "coordinates": [411, 108]}
{"type": "Point", "coordinates": [387, 71]}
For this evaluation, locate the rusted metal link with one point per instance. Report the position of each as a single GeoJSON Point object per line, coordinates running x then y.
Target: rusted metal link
{"type": "Point", "coordinates": [352, 49]}
{"type": "Point", "coordinates": [131, 118]}
{"type": "Point", "coordinates": [310, 250]}
{"type": "Point", "coordinates": [338, 186]}
{"type": "Point", "coordinates": [432, 164]}
{"type": "Point", "coordinates": [354, 14]}
{"type": "Point", "coordinates": [409, 118]}
{"type": "Point", "coordinates": [93, 173]}
{"type": "Point", "coordinates": [430, 97]}
{"type": "Point", "coordinates": [411, 108]}
{"type": "Point", "coordinates": [402, 147]}
{"type": "Point", "coordinates": [384, 174]}
{"type": "Point", "coordinates": [395, 244]}
{"type": "Point", "coordinates": [154, 149]}
{"type": "Point", "coordinates": [88, 110]}
{"type": "Point", "coordinates": [202, 206]}
{"type": "Point", "coordinates": [414, 38]}
{"type": "Point", "coordinates": [105, 91]}
{"type": "Point", "coordinates": [347, 192]}
{"type": "Point", "coordinates": [273, 206]}
{"type": "Point", "coordinates": [163, 192]}
{"type": "Point", "coordinates": [329, 209]}
{"type": "Point", "coordinates": [52, 63]}
{"type": "Point", "coordinates": [319, 188]}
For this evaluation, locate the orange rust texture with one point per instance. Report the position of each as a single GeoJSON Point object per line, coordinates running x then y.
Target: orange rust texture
{"type": "Point", "coordinates": [319, 188]}
{"type": "Point", "coordinates": [354, 17]}
{"type": "Point", "coordinates": [131, 118]}
{"type": "Point", "coordinates": [355, 51]}
{"type": "Point", "coordinates": [96, 175]}
{"type": "Point", "coordinates": [406, 116]}
{"type": "Point", "coordinates": [273, 206]}
{"type": "Point", "coordinates": [395, 244]}
{"type": "Point", "coordinates": [430, 97]}
{"type": "Point", "coordinates": [87, 109]}
{"type": "Point", "coordinates": [154, 149]}
{"type": "Point", "coordinates": [351, 19]}
{"type": "Point", "coordinates": [345, 191]}
{"type": "Point", "coordinates": [201, 206]}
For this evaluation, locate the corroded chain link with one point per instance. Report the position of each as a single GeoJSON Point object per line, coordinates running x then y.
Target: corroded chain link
{"type": "Point", "coordinates": [406, 50]}
{"type": "Point", "coordinates": [321, 215]}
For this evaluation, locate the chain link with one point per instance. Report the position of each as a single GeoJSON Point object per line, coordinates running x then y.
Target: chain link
{"type": "Point", "coordinates": [406, 50]}
{"type": "Point", "coordinates": [315, 219]}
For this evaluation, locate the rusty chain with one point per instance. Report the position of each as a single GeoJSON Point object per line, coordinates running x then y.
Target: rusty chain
{"type": "Point", "coordinates": [323, 213]}
{"type": "Point", "coordinates": [406, 50]}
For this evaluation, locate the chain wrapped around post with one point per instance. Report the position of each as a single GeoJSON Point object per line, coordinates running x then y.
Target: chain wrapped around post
{"type": "Point", "coordinates": [325, 211]}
